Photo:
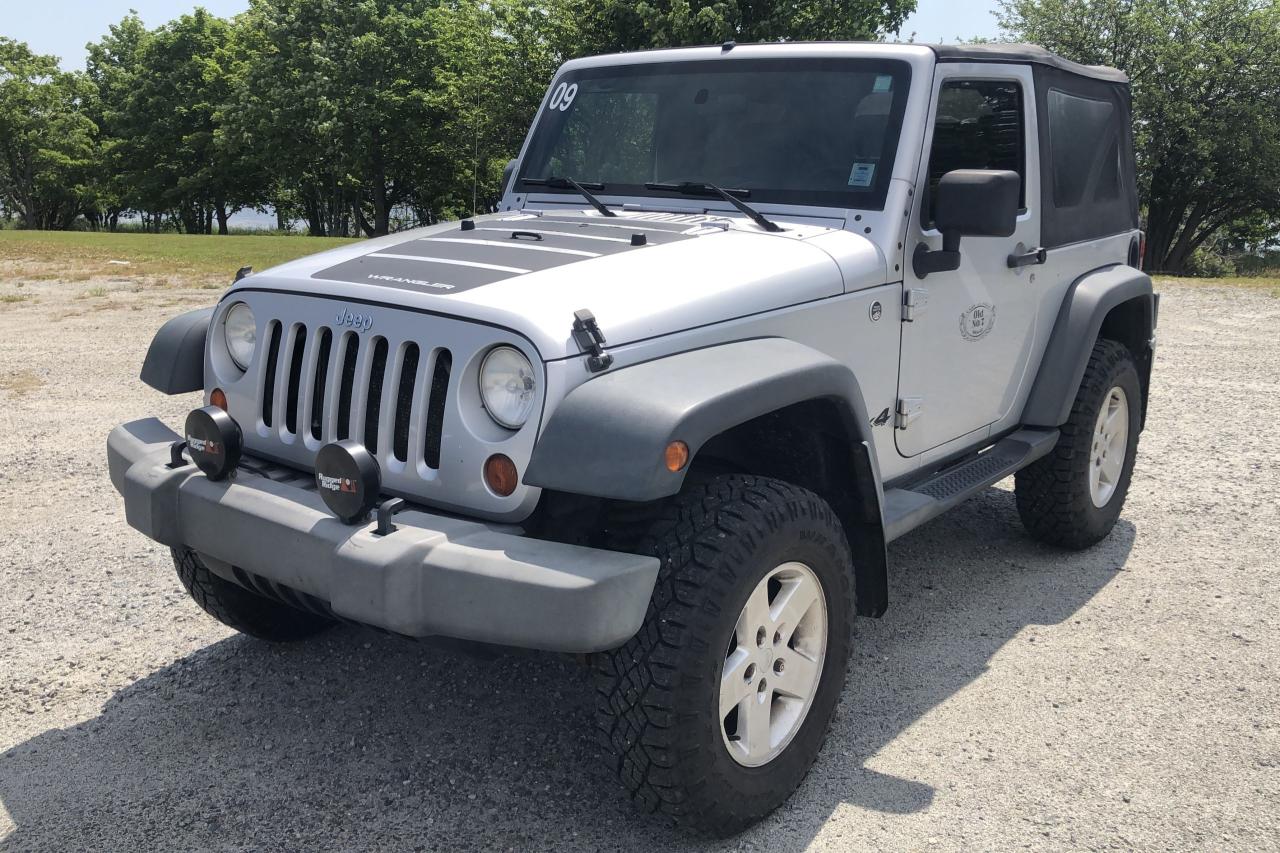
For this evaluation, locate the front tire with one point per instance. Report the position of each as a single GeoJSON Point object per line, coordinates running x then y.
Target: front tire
{"type": "Point", "coordinates": [1072, 498]}
{"type": "Point", "coordinates": [715, 711]}
{"type": "Point", "coordinates": [238, 608]}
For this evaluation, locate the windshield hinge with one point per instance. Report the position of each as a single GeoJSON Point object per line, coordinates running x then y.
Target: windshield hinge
{"type": "Point", "coordinates": [587, 334]}
{"type": "Point", "coordinates": [913, 303]}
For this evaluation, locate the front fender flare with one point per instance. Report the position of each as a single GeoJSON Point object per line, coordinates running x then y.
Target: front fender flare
{"type": "Point", "coordinates": [175, 359]}
{"type": "Point", "coordinates": [607, 438]}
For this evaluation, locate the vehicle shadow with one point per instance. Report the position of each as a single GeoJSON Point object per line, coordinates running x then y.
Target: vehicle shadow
{"type": "Point", "coordinates": [360, 741]}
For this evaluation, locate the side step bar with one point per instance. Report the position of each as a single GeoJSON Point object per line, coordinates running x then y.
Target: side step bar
{"type": "Point", "coordinates": [909, 507]}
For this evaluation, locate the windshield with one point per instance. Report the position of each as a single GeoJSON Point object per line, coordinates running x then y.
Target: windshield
{"type": "Point", "coordinates": [797, 131]}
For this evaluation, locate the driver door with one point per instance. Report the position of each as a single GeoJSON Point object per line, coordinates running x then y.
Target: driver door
{"type": "Point", "coordinates": [971, 332]}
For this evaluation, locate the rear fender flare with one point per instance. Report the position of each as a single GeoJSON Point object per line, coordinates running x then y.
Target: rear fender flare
{"type": "Point", "coordinates": [1088, 302]}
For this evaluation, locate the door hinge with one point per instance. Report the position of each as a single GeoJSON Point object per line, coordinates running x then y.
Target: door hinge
{"type": "Point", "coordinates": [909, 409]}
{"type": "Point", "coordinates": [913, 303]}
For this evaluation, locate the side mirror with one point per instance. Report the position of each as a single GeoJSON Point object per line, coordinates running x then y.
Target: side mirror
{"type": "Point", "coordinates": [507, 172]}
{"type": "Point", "coordinates": [976, 202]}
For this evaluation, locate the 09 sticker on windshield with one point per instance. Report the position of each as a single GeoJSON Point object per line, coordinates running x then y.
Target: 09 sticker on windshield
{"type": "Point", "coordinates": [563, 96]}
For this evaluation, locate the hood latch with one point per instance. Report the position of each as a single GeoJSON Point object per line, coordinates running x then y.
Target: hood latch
{"type": "Point", "coordinates": [587, 334]}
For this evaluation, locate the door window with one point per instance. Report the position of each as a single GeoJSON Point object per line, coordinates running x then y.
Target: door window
{"type": "Point", "coordinates": [980, 125]}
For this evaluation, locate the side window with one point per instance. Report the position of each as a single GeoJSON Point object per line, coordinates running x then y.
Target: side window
{"type": "Point", "coordinates": [980, 125]}
{"type": "Point", "coordinates": [1085, 150]}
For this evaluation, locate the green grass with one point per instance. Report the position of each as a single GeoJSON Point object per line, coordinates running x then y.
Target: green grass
{"type": "Point", "coordinates": [78, 254]}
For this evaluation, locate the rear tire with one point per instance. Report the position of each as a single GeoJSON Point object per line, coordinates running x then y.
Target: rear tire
{"type": "Point", "coordinates": [1072, 498]}
{"type": "Point", "coordinates": [238, 608]}
{"type": "Point", "coordinates": [732, 548]}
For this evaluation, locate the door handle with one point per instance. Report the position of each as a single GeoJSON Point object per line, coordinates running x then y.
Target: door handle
{"type": "Point", "coordinates": [1035, 256]}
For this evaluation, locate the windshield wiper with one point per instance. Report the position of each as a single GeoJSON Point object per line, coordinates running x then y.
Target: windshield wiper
{"type": "Point", "coordinates": [695, 188]}
{"type": "Point", "coordinates": [570, 184]}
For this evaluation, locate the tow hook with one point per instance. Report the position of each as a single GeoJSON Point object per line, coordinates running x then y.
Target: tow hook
{"type": "Point", "coordinates": [587, 334]}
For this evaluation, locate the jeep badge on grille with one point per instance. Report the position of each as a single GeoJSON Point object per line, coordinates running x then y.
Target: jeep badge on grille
{"type": "Point", "coordinates": [363, 322]}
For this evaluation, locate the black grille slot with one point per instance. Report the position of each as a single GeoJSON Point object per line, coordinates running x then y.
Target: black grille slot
{"type": "Point", "coordinates": [350, 351]}
{"type": "Point", "coordinates": [373, 405]}
{"type": "Point", "coordinates": [435, 408]}
{"type": "Point", "coordinates": [321, 382]}
{"type": "Point", "coordinates": [269, 386]}
{"type": "Point", "coordinates": [295, 379]}
{"type": "Point", "coordinates": [404, 402]}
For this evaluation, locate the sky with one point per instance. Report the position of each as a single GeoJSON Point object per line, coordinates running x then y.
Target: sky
{"type": "Point", "coordinates": [64, 27]}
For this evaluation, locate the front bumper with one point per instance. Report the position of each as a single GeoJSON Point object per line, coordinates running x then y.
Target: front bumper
{"type": "Point", "coordinates": [433, 576]}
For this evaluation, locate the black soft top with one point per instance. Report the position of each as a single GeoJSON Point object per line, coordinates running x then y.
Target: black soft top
{"type": "Point", "coordinates": [1024, 54]}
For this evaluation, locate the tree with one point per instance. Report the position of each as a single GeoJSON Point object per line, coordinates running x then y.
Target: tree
{"type": "Point", "coordinates": [112, 67]}
{"type": "Point", "coordinates": [46, 139]}
{"type": "Point", "coordinates": [1206, 97]}
{"type": "Point", "coordinates": [171, 153]}
{"type": "Point", "coordinates": [375, 106]}
{"type": "Point", "coordinates": [495, 61]}
{"type": "Point", "coordinates": [639, 24]}
{"type": "Point", "coordinates": [336, 96]}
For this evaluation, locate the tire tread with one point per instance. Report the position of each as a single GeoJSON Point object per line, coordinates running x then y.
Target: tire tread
{"type": "Point", "coordinates": [639, 716]}
{"type": "Point", "coordinates": [240, 609]}
{"type": "Point", "coordinates": [1052, 493]}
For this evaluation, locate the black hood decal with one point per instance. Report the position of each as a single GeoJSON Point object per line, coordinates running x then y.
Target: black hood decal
{"type": "Point", "coordinates": [494, 250]}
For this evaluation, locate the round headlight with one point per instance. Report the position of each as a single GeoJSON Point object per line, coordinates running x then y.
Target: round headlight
{"type": "Point", "coordinates": [242, 334]}
{"type": "Point", "coordinates": [507, 386]}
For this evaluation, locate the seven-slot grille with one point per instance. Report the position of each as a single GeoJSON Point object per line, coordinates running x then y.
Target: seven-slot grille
{"type": "Point", "coordinates": [329, 385]}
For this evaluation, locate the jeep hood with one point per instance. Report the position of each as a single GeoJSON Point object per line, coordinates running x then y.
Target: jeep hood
{"type": "Point", "coordinates": [643, 275]}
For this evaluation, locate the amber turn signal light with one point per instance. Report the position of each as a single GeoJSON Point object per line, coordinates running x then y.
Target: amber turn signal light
{"type": "Point", "coordinates": [218, 398]}
{"type": "Point", "coordinates": [500, 475]}
{"type": "Point", "coordinates": [677, 456]}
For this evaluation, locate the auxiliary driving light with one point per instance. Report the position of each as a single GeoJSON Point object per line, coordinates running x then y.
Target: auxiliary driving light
{"type": "Point", "coordinates": [214, 441]}
{"type": "Point", "coordinates": [349, 480]}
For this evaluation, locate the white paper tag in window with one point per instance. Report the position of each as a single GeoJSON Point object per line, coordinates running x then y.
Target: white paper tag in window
{"type": "Point", "coordinates": [862, 174]}
{"type": "Point", "coordinates": [883, 83]}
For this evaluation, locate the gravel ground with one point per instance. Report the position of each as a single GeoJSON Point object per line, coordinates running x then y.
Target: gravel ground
{"type": "Point", "coordinates": [1012, 697]}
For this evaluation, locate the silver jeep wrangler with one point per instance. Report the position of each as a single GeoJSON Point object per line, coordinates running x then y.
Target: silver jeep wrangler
{"type": "Point", "coordinates": [746, 315]}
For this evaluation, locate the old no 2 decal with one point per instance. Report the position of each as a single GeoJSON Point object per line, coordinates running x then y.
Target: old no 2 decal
{"type": "Point", "coordinates": [978, 321]}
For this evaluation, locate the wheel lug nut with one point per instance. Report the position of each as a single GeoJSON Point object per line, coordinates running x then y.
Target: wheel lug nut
{"type": "Point", "coordinates": [778, 666]}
